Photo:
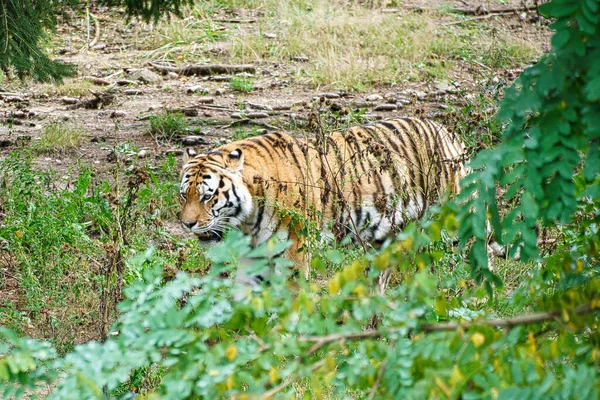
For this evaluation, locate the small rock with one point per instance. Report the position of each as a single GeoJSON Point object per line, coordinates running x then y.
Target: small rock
{"type": "Point", "coordinates": [386, 107]}
{"type": "Point", "coordinates": [372, 117]}
{"type": "Point", "coordinates": [126, 82]}
{"type": "Point", "coordinates": [335, 107]}
{"type": "Point", "coordinates": [329, 95]}
{"type": "Point", "coordinates": [281, 107]}
{"type": "Point", "coordinates": [5, 143]}
{"type": "Point", "coordinates": [188, 112]}
{"type": "Point", "coordinates": [175, 152]}
{"type": "Point", "coordinates": [442, 106]}
{"type": "Point", "coordinates": [374, 97]}
{"type": "Point", "coordinates": [205, 100]}
{"type": "Point", "coordinates": [270, 35]}
{"type": "Point", "coordinates": [219, 92]}
{"type": "Point", "coordinates": [143, 153]}
{"type": "Point", "coordinates": [262, 131]}
{"type": "Point", "coordinates": [236, 116]}
{"type": "Point", "coordinates": [257, 106]}
{"type": "Point", "coordinates": [99, 46]}
{"type": "Point", "coordinates": [97, 81]}
{"type": "Point", "coordinates": [18, 114]}
{"type": "Point", "coordinates": [299, 58]}
{"type": "Point", "coordinates": [361, 104]}
{"type": "Point", "coordinates": [14, 99]}
{"type": "Point", "coordinates": [193, 140]}
{"type": "Point", "coordinates": [23, 138]}
{"type": "Point", "coordinates": [66, 50]}
{"type": "Point", "coordinates": [133, 92]}
{"type": "Point", "coordinates": [420, 95]}
{"type": "Point", "coordinates": [98, 139]}
{"type": "Point", "coordinates": [390, 97]}
{"type": "Point", "coordinates": [220, 78]}
{"type": "Point", "coordinates": [257, 115]}
{"type": "Point", "coordinates": [144, 75]}
{"type": "Point", "coordinates": [69, 100]}
{"type": "Point", "coordinates": [197, 89]}
{"type": "Point", "coordinates": [172, 75]}
{"type": "Point", "coordinates": [403, 100]}
{"type": "Point", "coordinates": [118, 114]}
{"type": "Point", "coordinates": [442, 87]}
{"type": "Point", "coordinates": [111, 156]}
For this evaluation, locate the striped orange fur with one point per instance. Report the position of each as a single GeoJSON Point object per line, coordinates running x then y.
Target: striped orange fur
{"type": "Point", "coordinates": [367, 182]}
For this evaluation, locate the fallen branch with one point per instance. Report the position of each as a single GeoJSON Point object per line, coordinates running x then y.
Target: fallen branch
{"type": "Point", "coordinates": [477, 18]}
{"type": "Point", "coordinates": [236, 21]}
{"type": "Point", "coordinates": [248, 121]}
{"type": "Point", "coordinates": [205, 69]}
{"type": "Point", "coordinates": [527, 319]}
{"type": "Point", "coordinates": [481, 10]}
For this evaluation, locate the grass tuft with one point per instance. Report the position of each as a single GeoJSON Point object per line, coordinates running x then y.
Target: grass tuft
{"type": "Point", "coordinates": [167, 126]}
{"type": "Point", "coordinates": [241, 84]}
{"type": "Point", "coordinates": [59, 138]}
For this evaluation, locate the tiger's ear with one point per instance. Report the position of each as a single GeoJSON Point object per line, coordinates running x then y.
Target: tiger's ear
{"type": "Point", "coordinates": [188, 154]}
{"type": "Point", "coordinates": [235, 160]}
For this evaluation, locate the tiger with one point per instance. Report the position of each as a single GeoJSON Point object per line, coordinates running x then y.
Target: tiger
{"type": "Point", "coordinates": [366, 182]}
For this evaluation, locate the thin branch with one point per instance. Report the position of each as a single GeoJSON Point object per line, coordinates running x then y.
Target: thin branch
{"type": "Point", "coordinates": [380, 372]}
{"type": "Point", "coordinates": [205, 69]}
{"type": "Point", "coordinates": [480, 10]}
{"type": "Point", "coordinates": [527, 319]}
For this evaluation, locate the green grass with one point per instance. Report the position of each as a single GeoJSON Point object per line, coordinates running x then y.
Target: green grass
{"type": "Point", "coordinates": [243, 133]}
{"type": "Point", "coordinates": [167, 126]}
{"type": "Point", "coordinates": [55, 242]}
{"type": "Point", "coordinates": [241, 84]}
{"type": "Point", "coordinates": [59, 137]}
{"type": "Point", "coordinates": [348, 46]}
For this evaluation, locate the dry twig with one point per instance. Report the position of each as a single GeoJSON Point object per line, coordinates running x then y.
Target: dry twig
{"type": "Point", "coordinates": [205, 69]}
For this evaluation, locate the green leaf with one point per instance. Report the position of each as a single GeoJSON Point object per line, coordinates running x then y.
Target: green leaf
{"type": "Point", "coordinates": [560, 39]}
{"type": "Point", "coordinates": [592, 89]}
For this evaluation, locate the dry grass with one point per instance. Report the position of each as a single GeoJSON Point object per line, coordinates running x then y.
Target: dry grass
{"type": "Point", "coordinates": [348, 47]}
{"type": "Point", "coordinates": [70, 88]}
{"type": "Point", "coordinates": [59, 138]}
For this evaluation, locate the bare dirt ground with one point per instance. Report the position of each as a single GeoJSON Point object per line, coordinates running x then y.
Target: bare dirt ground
{"type": "Point", "coordinates": [120, 51]}
{"type": "Point", "coordinates": [118, 87]}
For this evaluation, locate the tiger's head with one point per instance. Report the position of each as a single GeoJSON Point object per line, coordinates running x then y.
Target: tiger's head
{"type": "Point", "coordinates": [213, 194]}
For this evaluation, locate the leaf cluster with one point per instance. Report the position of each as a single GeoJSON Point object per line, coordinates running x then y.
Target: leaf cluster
{"type": "Point", "coordinates": [24, 25]}
{"type": "Point", "coordinates": [548, 162]}
{"type": "Point", "coordinates": [273, 338]}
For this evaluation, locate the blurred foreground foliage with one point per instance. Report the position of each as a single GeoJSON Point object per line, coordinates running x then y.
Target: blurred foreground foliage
{"type": "Point", "coordinates": [440, 336]}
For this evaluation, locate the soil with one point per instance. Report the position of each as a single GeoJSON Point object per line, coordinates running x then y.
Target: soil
{"type": "Point", "coordinates": [26, 107]}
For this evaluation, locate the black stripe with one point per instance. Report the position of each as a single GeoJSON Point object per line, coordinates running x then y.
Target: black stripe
{"type": "Point", "coordinates": [419, 159]}
{"type": "Point", "coordinates": [238, 206]}
{"type": "Point", "coordinates": [397, 180]}
{"type": "Point", "coordinates": [260, 211]}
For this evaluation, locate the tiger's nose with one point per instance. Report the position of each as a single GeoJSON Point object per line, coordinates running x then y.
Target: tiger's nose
{"type": "Point", "coordinates": [189, 224]}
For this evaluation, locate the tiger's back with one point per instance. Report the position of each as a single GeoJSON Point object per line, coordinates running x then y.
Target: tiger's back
{"type": "Point", "coordinates": [366, 182]}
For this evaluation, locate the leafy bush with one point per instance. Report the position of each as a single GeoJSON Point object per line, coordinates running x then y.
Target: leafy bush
{"type": "Point", "coordinates": [208, 337]}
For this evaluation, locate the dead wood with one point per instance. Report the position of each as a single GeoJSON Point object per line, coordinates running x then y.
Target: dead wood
{"type": "Point", "coordinates": [205, 69]}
